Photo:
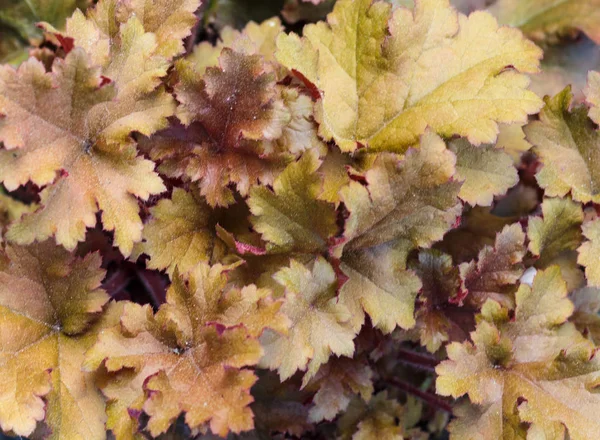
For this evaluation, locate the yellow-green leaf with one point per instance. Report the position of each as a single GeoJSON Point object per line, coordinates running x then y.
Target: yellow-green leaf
{"type": "Point", "coordinates": [384, 77]}
{"type": "Point", "coordinates": [486, 171]}
{"type": "Point", "coordinates": [320, 324]}
{"type": "Point", "coordinates": [538, 18]}
{"type": "Point", "coordinates": [589, 252]}
{"type": "Point", "coordinates": [49, 305]}
{"type": "Point", "coordinates": [291, 217]}
{"type": "Point", "coordinates": [376, 419]}
{"type": "Point", "coordinates": [181, 233]}
{"type": "Point", "coordinates": [529, 374]}
{"type": "Point", "coordinates": [380, 286]}
{"type": "Point", "coordinates": [592, 95]}
{"type": "Point", "coordinates": [557, 231]}
{"type": "Point", "coordinates": [412, 199]}
{"type": "Point", "coordinates": [568, 146]}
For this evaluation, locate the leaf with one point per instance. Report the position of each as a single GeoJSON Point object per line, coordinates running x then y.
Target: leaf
{"type": "Point", "coordinates": [334, 170]}
{"type": "Point", "coordinates": [558, 231]}
{"type": "Point", "coordinates": [49, 302]}
{"type": "Point", "coordinates": [67, 124]}
{"type": "Point", "coordinates": [478, 228]}
{"type": "Point", "coordinates": [291, 218]}
{"type": "Point", "coordinates": [440, 316]}
{"type": "Point", "coordinates": [18, 21]}
{"type": "Point", "coordinates": [568, 147]}
{"type": "Point", "coordinates": [497, 270]}
{"type": "Point", "coordinates": [128, 53]}
{"type": "Point", "coordinates": [385, 69]}
{"type": "Point", "coordinates": [379, 418]}
{"type": "Point", "coordinates": [243, 90]}
{"type": "Point", "coordinates": [589, 252]}
{"type": "Point", "coordinates": [592, 95]}
{"type": "Point", "coordinates": [533, 369]}
{"type": "Point", "coordinates": [380, 286]}
{"type": "Point", "coordinates": [414, 199]}
{"type": "Point", "coordinates": [319, 323]}
{"type": "Point", "coordinates": [337, 382]}
{"type": "Point", "coordinates": [585, 317]}
{"type": "Point", "coordinates": [188, 357]}
{"type": "Point", "coordinates": [170, 20]}
{"type": "Point", "coordinates": [279, 406]}
{"type": "Point", "coordinates": [487, 172]}
{"type": "Point", "coordinates": [235, 106]}
{"type": "Point", "coordinates": [180, 233]}
{"type": "Point", "coordinates": [254, 39]}
{"type": "Point", "coordinates": [11, 210]}
{"type": "Point", "coordinates": [183, 156]}
{"type": "Point", "coordinates": [300, 132]}
{"type": "Point", "coordinates": [512, 140]}
{"type": "Point", "coordinates": [538, 18]}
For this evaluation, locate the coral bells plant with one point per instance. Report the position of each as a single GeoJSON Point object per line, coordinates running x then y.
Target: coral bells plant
{"type": "Point", "coordinates": [362, 219]}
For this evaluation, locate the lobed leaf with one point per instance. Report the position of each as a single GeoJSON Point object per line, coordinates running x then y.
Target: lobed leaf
{"type": "Point", "coordinates": [61, 133]}
{"type": "Point", "coordinates": [180, 233]}
{"type": "Point", "coordinates": [414, 199]}
{"type": "Point", "coordinates": [337, 382]}
{"type": "Point", "coordinates": [381, 83]}
{"type": "Point", "coordinates": [568, 147]}
{"type": "Point", "coordinates": [557, 231]}
{"type": "Point", "coordinates": [376, 419]}
{"type": "Point", "coordinates": [189, 356]}
{"type": "Point", "coordinates": [497, 270]}
{"type": "Point", "coordinates": [319, 324]}
{"type": "Point", "coordinates": [235, 107]}
{"type": "Point", "coordinates": [485, 170]}
{"type": "Point", "coordinates": [589, 252]}
{"type": "Point", "coordinates": [50, 302]}
{"type": "Point", "coordinates": [291, 217]}
{"type": "Point", "coordinates": [527, 375]}
{"type": "Point", "coordinates": [379, 286]}
{"type": "Point", "coordinates": [537, 18]}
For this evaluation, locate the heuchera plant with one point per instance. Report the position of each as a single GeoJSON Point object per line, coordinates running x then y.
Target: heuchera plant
{"type": "Point", "coordinates": [366, 219]}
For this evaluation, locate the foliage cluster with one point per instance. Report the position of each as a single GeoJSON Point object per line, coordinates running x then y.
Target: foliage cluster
{"type": "Point", "coordinates": [379, 223]}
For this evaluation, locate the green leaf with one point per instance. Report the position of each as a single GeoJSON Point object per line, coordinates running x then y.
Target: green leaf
{"type": "Point", "coordinates": [486, 171]}
{"type": "Point", "coordinates": [568, 146]}
{"type": "Point", "coordinates": [320, 324]}
{"type": "Point", "coordinates": [291, 217]}
{"type": "Point", "coordinates": [412, 199]}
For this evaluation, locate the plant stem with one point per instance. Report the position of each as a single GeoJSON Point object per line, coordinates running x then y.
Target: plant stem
{"type": "Point", "coordinates": [416, 359]}
{"type": "Point", "coordinates": [429, 398]}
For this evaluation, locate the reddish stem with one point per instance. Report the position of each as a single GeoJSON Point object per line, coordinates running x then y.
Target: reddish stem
{"type": "Point", "coordinates": [116, 283]}
{"type": "Point", "coordinates": [419, 360]}
{"type": "Point", "coordinates": [431, 399]}
{"type": "Point", "coordinates": [155, 286]}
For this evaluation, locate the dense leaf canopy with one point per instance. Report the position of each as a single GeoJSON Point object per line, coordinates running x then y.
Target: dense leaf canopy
{"type": "Point", "coordinates": [300, 219]}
